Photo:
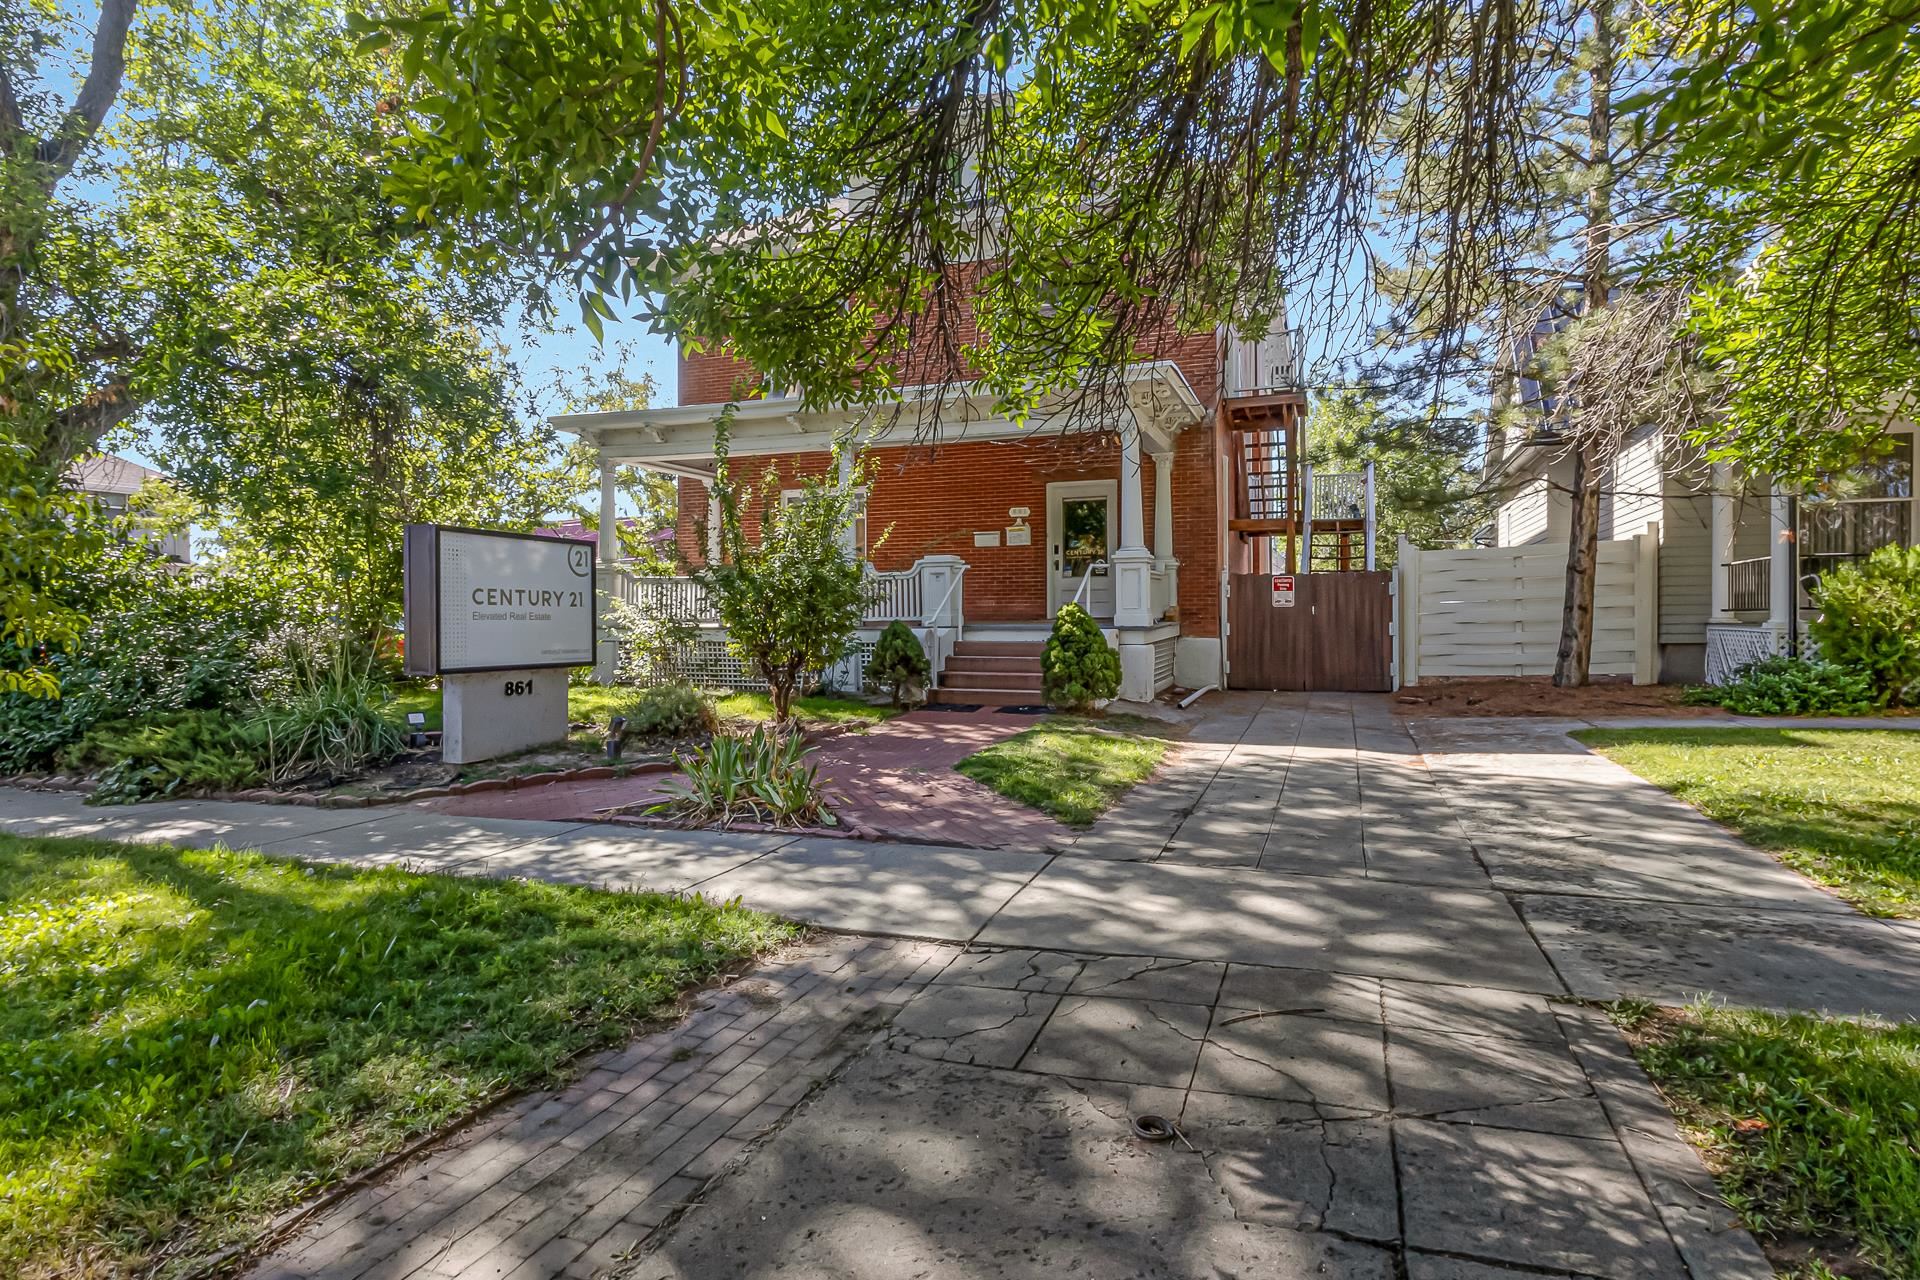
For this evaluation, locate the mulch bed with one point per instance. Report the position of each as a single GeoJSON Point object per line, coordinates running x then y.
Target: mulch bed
{"type": "Point", "coordinates": [1537, 696]}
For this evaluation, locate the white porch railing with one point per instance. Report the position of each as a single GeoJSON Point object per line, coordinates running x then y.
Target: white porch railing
{"type": "Point", "coordinates": [1339, 495]}
{"type": "Point", "coordinates": [1266, 365]}
{"type": "Point", "coordinates": [896, 595]}
{"type": "Point", "coordinates": [682, 599]}
{"type": "Point", "coordinates": [893, 595]}
{"type": "Point", "coordinates": [1160, 596]}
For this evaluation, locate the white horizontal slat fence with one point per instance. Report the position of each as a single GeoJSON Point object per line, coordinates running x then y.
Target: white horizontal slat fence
{"type": "Point", "coordinates": [1495, 611]}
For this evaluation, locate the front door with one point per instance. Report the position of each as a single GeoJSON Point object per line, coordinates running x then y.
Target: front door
{"type": "Point", "coordinates": [1081, 516]}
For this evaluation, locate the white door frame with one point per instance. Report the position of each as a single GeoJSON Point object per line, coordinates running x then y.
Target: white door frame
{"type": "Point", "coordinates": [1059, 589]}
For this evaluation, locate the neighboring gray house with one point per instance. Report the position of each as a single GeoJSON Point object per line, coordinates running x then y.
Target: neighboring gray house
{"type": "Point", "coordinates": [111, 483]}
{"type": "Point", "coordinates": [1727, 564]}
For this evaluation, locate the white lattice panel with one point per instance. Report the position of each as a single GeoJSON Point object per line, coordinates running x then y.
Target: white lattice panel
{"type": "Point", "coordinates": [1731, 648]}
{"type": "Point", "coordinates": [708, 663]}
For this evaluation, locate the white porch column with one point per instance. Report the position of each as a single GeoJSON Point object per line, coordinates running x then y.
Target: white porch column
{"type": "Point", "coordinates": [1133, 534]}
{"type": "Point", "coordinates": [1720, 537]}
{"type": "Point", "coordinates": [713, 523]}
{"type": "Point", "coordinates": [1163, 507]}
{"type": "Point", "coordinates": [1132, 562]}
{"type": "Point", "coordinates": [604, 657]}
{"type": "Point", "coordinates": [1781, 577]}
{"type": "Point", "coordinates": [844, 454]}
{"type": "Point", "coordinates": [1163, 558]}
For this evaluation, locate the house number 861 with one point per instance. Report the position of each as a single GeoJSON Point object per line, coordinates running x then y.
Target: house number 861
{"type": "Point", "coordinates": [517, 687]}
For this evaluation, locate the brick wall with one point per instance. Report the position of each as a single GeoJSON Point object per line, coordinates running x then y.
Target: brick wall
{"type": "Point", "coordinates": [714, 377]}
{"type": "Point", "coordinates": [935, 499]}
{"type": "Point", "coordinates": [931, 501]}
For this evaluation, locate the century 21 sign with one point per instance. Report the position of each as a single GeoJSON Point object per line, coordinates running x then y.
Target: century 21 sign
{"type": "Point", "coordinates": [482, 600]}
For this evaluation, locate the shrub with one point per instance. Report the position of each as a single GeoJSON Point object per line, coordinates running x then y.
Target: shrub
{"type": "Point", "coordinates": [1787, 686]}
{"type": "Point", "coordinates": [671, 711]}
{"type": "Point", "coordinates": [646, 644]}
{"type": "Point", "coordinates": [1078, 667]}
{"type": "Point", "coordinates": [158, 639]}
{"type": "Point", "coordinates": [334, 721]}
{"type": "Point", "coordinates": [898, 662]}
{"type": "Point", "coordinates": [1870, 620]}
{"type": "Point", "coordinates": [763, 774]}
{"type": "Point", "coordinates": [790, 596]}
{"type": "Point", "coordinates": [175, 752]}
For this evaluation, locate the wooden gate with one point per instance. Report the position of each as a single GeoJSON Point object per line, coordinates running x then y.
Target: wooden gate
{"type": "Point", "coordinates": [1335, 635]}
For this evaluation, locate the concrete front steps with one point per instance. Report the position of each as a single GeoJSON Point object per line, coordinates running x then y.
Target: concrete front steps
{"type": "Point", "coordinates": [991, 673]}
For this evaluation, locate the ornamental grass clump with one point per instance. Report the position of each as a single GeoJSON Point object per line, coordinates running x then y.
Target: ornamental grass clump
{"type": "Point", "coordinates": [762, 775]}
{"type": "Point", "coordinates": [1078, 668]}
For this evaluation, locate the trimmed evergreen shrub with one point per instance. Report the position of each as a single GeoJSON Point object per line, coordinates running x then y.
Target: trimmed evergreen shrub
{"type": "Point", "coordinates": [1869, 620]}
{"type": "Point", "coordinates": [1078, 667]}
{"type": "Point", "coordinates": [898, 661]}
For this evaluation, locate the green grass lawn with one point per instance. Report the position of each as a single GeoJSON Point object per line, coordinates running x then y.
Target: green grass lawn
{"type": "Point", "coordinates": [192, 1041]}
{"type": "Point", "coordinates": [820, 709]}
{"type": "Point", "coordinates": [1811, 1124]}
{"type": "Point", "coordinates": [1070, 768]}
{"type": "Point", "coordinates": [597, 704]}
{"type": "Point", "coordinates": [1839, 805]}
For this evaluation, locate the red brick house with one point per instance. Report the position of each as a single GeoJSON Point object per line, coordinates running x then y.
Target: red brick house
{"type": "Point", "coordinates": [990, 530]}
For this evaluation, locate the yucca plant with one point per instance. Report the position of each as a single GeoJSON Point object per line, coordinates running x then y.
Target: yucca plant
{"type": "Point", "coordinates": [764, 775]}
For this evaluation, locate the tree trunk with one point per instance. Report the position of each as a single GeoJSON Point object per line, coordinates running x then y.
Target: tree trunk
{"type": "Point", "coordinates": [1571, 667]}
{"type": "Point", "coordinates": [1574, 662]}
{"type": "Point", "coordinates": [780, 694]}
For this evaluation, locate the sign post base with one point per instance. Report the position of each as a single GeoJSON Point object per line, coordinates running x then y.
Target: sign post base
{"type": "Point", "coordinates": [497, 713]}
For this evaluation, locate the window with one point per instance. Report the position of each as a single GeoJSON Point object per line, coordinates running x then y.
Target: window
{"type": "Point", "coordinates": [790, 496]}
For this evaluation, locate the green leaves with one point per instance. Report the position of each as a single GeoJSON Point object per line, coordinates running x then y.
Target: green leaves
{"type": "Point", "coordinates": [1078, 668]}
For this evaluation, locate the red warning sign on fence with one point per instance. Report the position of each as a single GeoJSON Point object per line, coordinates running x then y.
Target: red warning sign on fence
{"type": "Point", "coordinates": [1283, 591]}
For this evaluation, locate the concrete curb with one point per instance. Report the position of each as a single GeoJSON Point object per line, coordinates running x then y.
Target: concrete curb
{"type": "Point", "coordinates": [1711, 1239]}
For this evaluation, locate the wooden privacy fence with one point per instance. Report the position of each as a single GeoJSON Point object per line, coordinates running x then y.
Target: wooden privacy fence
{"type": "Point", "coordinates": [1495, 611]}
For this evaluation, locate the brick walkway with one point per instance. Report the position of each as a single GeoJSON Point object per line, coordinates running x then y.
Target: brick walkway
{"type": "Point", "coordinates": [896, 778]}
{"type": "Point", "coordinates": [570, 1183]}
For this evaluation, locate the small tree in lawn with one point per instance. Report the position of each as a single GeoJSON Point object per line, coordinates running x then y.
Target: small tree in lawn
{"type": "Point", "coordinates": [1078, 668]}
{"type": "Point", "coordinates": [899, 662]}
{"type": "Point", "coordinates": [790, 595]}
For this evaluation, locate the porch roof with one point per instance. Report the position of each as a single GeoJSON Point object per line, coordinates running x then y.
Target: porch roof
{"type": "Point", "coordinates": [1159, 400]}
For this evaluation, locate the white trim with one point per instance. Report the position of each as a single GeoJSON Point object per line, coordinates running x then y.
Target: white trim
{"type": "Point", "coordinates": [1058, 492]}
{"type": "Point", "coordinates": [1158, 396]}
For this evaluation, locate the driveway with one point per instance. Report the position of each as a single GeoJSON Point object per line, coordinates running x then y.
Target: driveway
{"type": "Point", "coordinates": [1343, 960]}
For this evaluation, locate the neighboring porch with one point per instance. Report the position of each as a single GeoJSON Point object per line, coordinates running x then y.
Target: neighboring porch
{"type": "Point", "coordinates": [1761, 602]}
